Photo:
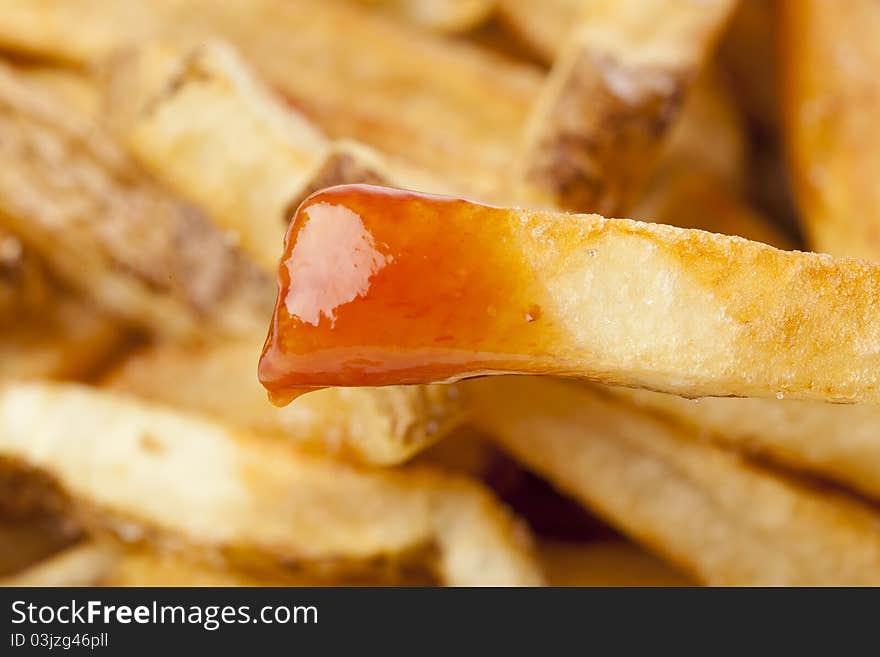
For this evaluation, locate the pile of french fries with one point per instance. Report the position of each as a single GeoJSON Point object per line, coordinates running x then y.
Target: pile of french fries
{"type": "Point", "coordinates": [152, 153]}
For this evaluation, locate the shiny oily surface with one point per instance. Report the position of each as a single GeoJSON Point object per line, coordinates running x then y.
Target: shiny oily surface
{"type": "Point", "coordinates": [381, 286]}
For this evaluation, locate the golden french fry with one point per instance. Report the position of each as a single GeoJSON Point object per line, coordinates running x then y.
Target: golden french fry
{"type": "Point", "coordinates": [598, 125]}
{"type": "Point", "coordinates": [834, 441]}
{"type": "Point", "coordinates": [197, 119]}
{"type": "Point", "coordinates": [746, 53]}
{"type": "Point", "coordinates": [708, 139]}
{"type": "Point", "coordinates": [830, 96]}
{"type": "Point", "coordinates": [382, 426]}
{"type": "Point", "coordinates": [103, 563]}
{"type": "Point", "coordinates": [25, 288]}
{"type": "Point", "coordinates": [149, 567]}
{"type": "Point", "coordinates": [466, 289]}
{"type": "Point", "coordinates": [543, 26]}
{"type": "Point", "coordinates": [83, 564]}
{"type": "Point", "coordinates": [72, 88]}
{"type": "Point", "coordinates": [45, 331]}
{"type": "Point", "coordinates": [690, 198]}
{"type": "Point", "coordinates": [444, 105]}
{"type": "Point", "coordinates": [839, 442]}
{"type": "Point", "coordinates": [709, 511]}
{"type": "Point", "coordinates": [605, 563]}
{"type": "Point", "coordinates": [70, 341]}
{"type": "Point", "coordinates": [185, 479]}
{"type": "Point", "coordinates": [109, 232]}
{"type": "Point", "coordinates": [443, 15]}
{"type": "Point", "coordinates": [26, 540]}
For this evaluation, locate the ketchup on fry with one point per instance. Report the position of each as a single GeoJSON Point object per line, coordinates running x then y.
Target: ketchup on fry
{"type": "Point", "coordinates": [380, 286]}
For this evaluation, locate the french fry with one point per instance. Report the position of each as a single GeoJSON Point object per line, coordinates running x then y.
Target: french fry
{"type": "Point", "coordinates": [45, 331]}
{"type": "Point", "coordinates": [465, 289]}
{"type": "Point", "coordinates": [445, 16]}
{"type": "Point", "coordinates": [748, 46]}
{"type": "Point", "coordinates": [25, 288]}
{"type": "Point", "coordinates": [605, 563]}
{"type": "Point", "coordinates": [443, 106]}
{"type": "Point", "coordinates": [690, 198]}
{"type": "Point", "coordinates": [103, 563]}
{"type": "Point", "coordinates": [721, 519]}
{"type": "Point", "coordinates": [383, 84]}
{"type": "Point", "coordinates": [830, 94]}
{"type": "Point", "coordinates": [708, 139]}
{"type": "Point", "coordinates": [83, 564]}
{"type": "Point", "coordinates": [26, 540]}
{"type": "Point", "coordinates": [148, 567]}
{"type": "Point", "coordinates": [381, 426]}
{"type": "Point", "coordinates": [253, 500]}
{"type": "Point", "coordinates": [108, 232]}
{"type": "Point", "coordinates": [70, 341]}
{"type": "Point", "coordinates": [597, 127]}
{"type": "Point", "coordinates": [838, 442]}
{"type": "Point", "coordinates": [72, 88]}
{"type": "Point", "coordinates": [196, 119]}
{"type": "Point", "coordinates": [544, 26]}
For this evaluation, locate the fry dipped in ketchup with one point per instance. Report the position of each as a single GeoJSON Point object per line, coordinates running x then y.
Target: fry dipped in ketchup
{"type": "Point", "coordinates": [381, 287]}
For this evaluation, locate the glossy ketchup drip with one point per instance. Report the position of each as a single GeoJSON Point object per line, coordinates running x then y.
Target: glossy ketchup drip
{"type": "Point", "coordinates": [380, 286]}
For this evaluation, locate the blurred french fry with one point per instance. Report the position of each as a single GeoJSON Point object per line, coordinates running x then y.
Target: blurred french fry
{"type": "Point", "coordinates": [80, 31]}
{"type": "Point", "coordinates": [831, 94]}
{"type": "Point", "coordinates": [716, 516]}
{"type": "Point", "coordinates": [839, 442]}
{"type": "Point", "coordinates": [150, 567]}
{"type": "Point", "coordinates": [69, 341]}
{"type": "Point", "coordinates": [183, 479]}
{"type": "Point", "coordinates": [465, 289]}
{"type": "Point", "coordinates": [708, 139]}
{"type": "Point", "coordinates": [45, 331]}
{"type": "Point", "coordinates": [598, 125]}
{"type": "Point", "coordinates": [25, 541]}
{"type": "Point", "coordinates": [103, 563]}
{"type": "Point", "coordinates": [443, 15]}
{"type": "Point", "coordinates": [441, 104]}
{"type": "Point", "coordinates": [542, 26]}
{"type": "Point", "coordinates": [72, 88]}
{"type": "Point", "coordinates": [605, 563]}
{"type": "Point", "coordinates": [25, 288]}
{"type": "Point", "coordinates": [746, 53]}
{"type": "Point", "coordinates": [108, 232]}
{"type": "Point", "coordinates": [690, 198]}
{"type": "Point", "coordinates": [197, 119]}
{"type": "Point", "coordinates": [83, 564]}
{"type": "Point", "coordinates": [381, 426]}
